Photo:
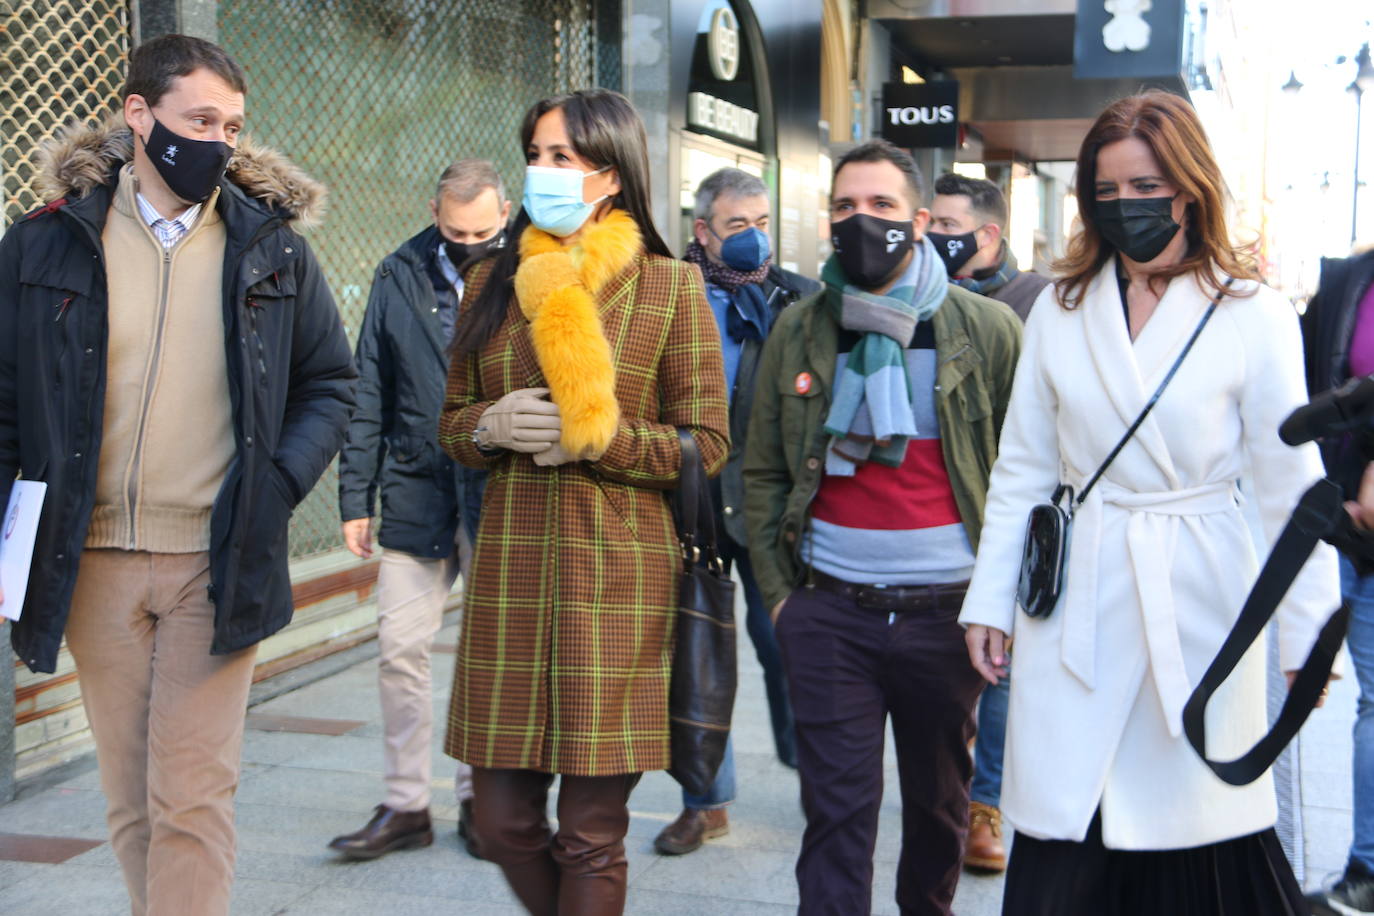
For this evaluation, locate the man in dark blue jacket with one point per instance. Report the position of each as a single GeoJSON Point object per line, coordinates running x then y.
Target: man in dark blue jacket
{"type": "Point", "coordinates": [429, 503]}
{"type": "Point", "coordinates": [746, 291]}
{"type": "Point", "coordinates": [173, 367]}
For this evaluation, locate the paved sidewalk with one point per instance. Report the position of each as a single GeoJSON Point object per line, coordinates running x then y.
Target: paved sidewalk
{"type": "Point", "coordinates": [300, 789]}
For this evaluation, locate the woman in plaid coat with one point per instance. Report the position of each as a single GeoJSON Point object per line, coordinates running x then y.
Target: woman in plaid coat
{"type": "Point", "coordinates": [569, 385]}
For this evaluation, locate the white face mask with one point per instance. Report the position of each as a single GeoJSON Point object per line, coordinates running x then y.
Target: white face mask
{"type": "Point", "coordinates": [553, 198]}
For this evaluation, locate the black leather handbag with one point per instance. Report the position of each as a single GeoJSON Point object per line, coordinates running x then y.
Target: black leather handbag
{"type": "Point", "coordinates": [1045, 553]}
{"type": "Point", "coordinates": [702, 692]}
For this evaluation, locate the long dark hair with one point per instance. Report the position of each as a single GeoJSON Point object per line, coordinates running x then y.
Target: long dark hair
{"type": "Point", "coordinates": [604, 129]}
{"type": "Point", "coordinates": [1170, 127]}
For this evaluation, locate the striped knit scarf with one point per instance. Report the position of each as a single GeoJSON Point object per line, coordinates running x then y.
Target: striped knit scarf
{"type": "Point", "coordinates": [871, 417]}
{"type": "Point", "coordinates": [990, 283]}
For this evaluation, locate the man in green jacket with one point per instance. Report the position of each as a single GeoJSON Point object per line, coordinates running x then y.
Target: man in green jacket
{"type": "Point", "coordinates": [875, 427]}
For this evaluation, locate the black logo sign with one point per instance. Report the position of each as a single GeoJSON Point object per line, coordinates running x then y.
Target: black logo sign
{"type": "Point", "coordinates": [921, 115]}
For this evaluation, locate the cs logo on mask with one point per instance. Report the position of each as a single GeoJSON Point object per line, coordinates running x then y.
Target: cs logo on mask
{"type": "Point", "coordinates": [954, 246]}
{"type": "Point", "coordinates": [894, 238]}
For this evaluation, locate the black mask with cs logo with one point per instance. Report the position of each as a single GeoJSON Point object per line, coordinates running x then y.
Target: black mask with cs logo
{"type": "Point", "coordinates": [191, 168]}
{"type": "Point", "coordinates": [954, 250]}
{"type": "Point", "coordinates": [1140, 228]}
{"type": "Point", "coordinates": [463, 255]}
{"type": "Point", "coordinates": [869, 248]}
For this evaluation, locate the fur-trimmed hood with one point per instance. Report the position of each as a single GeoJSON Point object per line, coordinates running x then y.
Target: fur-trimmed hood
{"type": "Point", "coordinates": [81, 157]}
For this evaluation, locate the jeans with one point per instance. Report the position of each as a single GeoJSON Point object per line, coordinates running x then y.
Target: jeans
{"type": "Point", "coordinates": [774, 682]}
{"type": "Point", "coordinates": [1359, 592]}
{"type": "Point", "coordinates": [991, 742]}
{"type": "Point", "coordinates": [722, 791]}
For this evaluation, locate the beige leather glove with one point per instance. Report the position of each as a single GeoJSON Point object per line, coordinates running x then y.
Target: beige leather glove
{"type": "Point", "coordinates": [557, 455]}
{"type": "Point", "coordinates": [522, 421]}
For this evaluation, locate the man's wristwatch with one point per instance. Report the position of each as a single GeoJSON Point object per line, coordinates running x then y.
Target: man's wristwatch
{"type": "Point", "coordinates": [479, 440]}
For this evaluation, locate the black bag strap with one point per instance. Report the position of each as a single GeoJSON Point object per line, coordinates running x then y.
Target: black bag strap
{"type": "Point", "coordinates": [1154, 399]}
{"type": "Point", "coordinates": [696, 518]}
{"type": "Point", "coordinates": [1320, 512]}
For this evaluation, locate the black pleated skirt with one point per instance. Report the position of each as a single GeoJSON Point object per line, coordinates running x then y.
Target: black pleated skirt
{"type": "Point", "coordinates": [1247, 876]}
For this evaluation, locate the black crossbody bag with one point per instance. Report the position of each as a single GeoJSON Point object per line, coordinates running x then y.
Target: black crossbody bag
{"type": "Point", "coordinates": [1045, 553]}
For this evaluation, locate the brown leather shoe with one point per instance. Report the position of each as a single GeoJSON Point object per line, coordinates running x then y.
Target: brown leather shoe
{"type": "Point", "coordinates": [692, 827]}
{"type": "Point", "coordinates": [386, 832]}
{"type": "Point", "coordinates": [984, 851]}
{"type": "Point", "coordinates": [466, 833]}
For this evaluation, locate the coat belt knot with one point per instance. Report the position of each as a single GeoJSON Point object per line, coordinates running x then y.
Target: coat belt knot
{"type": "Point", "coordinates": [1150, 539]}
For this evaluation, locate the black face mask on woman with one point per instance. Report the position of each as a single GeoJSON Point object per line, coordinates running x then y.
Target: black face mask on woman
{"type": "Point", "coordinates": [191, 168]}
{"type": "Point", "coordinates": [869, 248]}
{"type": "Point", "coordinates": [1138, 227]}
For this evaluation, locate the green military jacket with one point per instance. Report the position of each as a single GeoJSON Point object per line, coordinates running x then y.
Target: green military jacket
{"type": "Point", "coordinates": [977, 342]}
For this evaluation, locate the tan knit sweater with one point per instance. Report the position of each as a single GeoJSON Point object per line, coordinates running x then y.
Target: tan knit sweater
{"type": "Point", "coordinates": [168, 435]}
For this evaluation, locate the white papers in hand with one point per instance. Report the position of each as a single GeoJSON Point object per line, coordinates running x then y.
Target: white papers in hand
{"type": "Point", "coordinates": [16, 543]}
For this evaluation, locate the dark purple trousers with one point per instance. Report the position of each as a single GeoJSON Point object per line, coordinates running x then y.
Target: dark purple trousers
{"type": "Point", "coordinates": [848, 669]}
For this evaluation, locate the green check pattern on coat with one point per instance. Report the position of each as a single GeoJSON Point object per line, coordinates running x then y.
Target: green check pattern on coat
{"type": "Point", "coordinates": [565, 655]}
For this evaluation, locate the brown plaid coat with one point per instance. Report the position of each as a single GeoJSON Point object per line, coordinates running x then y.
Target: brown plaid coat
{"type": "Point", "coordinates": [566, 647]}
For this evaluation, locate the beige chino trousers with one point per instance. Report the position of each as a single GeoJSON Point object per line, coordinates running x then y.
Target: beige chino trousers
{"type": "Point", "coordinates": [168, 722]}
{"type": "Point", "coordinates": [411, 592]}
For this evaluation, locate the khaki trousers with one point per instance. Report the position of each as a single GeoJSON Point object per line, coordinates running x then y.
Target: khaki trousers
{"type": "Point", "coordinates": [411, 592]}
{"type": "Point", "coordinates": [168, 723]}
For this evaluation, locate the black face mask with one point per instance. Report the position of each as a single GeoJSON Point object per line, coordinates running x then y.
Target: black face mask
{"type": "Point", "coordinates": [870, 249]}
{"type": "Point", "coordinates": [1139, 228]}
{"type": "Point", "coordinates": [954, 250]}
{"type": "Point", "coordinates": [463, 255]}
{"type": "Point", "coordinates": [191, 168]}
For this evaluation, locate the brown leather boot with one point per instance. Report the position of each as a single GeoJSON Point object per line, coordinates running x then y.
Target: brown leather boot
{"type": "Point", "coordinates": [984, 851]}
{"type": "Point", "coordinates": [692, 827]}
{"type": "Point", "coordinates": [386, 832]}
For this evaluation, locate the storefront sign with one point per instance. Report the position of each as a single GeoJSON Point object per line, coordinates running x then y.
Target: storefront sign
{"type": "Point", "coordinates": [921, 115]}
{"type": "Point", "coordinates": [722, 44]}
{"type": "Point", "coordinates": [722, 117]}
{"type": "Point", "coordinates": [1128, 38]}
{"type": "Point", "coordinates": [722, 90]}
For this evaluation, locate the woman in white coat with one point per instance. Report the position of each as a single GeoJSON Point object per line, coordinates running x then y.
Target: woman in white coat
{"type": "Point", "coordinates": [1114, 812]}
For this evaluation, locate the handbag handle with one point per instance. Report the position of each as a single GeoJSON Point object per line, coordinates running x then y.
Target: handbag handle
{"type": "Point", "coordinates": [696, 518]}
{"type": "Point", "coordinates": [1149, 405]}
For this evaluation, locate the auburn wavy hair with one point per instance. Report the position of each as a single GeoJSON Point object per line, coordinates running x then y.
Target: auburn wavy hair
{"type": "Point", "coordinates": [1169, 126]}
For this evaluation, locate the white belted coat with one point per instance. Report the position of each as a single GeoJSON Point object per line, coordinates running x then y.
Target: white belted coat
{"type": "Point", "coordinates": [1160, 561]}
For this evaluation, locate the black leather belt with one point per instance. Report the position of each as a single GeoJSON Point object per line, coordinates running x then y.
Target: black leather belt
{"type": "Point", "coordinates": [892, 599]}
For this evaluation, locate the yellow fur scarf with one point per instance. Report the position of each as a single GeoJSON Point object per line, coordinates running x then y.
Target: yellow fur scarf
{"type": "Point", "coordinates": [557, 288]}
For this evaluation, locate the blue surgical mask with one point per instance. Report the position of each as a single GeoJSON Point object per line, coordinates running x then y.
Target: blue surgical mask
{"type": "Point", "coordinates": [745, 251]}
{"type": "Point", "coordinates": [553, 199]}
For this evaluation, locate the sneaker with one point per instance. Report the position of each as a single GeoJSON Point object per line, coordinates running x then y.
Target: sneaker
{"type": "Point", "coordinates": [1352, 895]}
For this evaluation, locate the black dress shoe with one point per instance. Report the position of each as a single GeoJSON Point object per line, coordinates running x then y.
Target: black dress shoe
{"type": "Point", "coordinates": [386, 832]}
{"type": "Point", "coordinates": [466, 833]}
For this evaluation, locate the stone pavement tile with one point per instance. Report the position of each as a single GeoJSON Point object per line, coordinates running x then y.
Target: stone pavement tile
{"type": "Point", "coordinates": [253, 897]}
{"type": "Point", "coordinates": [102, 856]}
{"type": "Point", "coordinates": [15, 872]}
{"type": "Point", "coordinates": [335, 901]}
{"type": "Point", "coordinates": [44, 849]}
{"type": "Point", "coordinates": [1328, 833]}
{"type": "Point", "coordinates": [979, 895]}
{"type": "Point", "coordinates": [1327, 791]}
{"type": "Point", "coordinates": [643, 902]}
{"type": "Point", "coordinates": [275, 748]}
{"type": "Point", "coordinates": [341, 696]}
{"type": "Point", "coordinates": [59, 811]}
{"type": "Point", "coordinates": [746, 875]}
{"type": "Point", "coordinates": [294, 787]}
{"type": "Point", "coordinates": [61, 890]}
{"type": "Point", "coordinates": [438, 871]}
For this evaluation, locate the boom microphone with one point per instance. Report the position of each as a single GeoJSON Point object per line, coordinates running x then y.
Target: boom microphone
{"type": "Point", "coordinates": [1332, 413]}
